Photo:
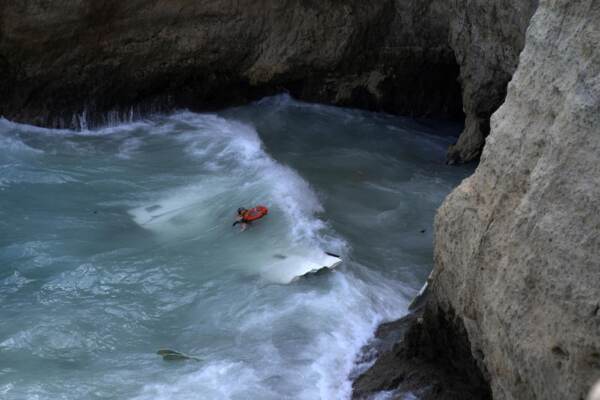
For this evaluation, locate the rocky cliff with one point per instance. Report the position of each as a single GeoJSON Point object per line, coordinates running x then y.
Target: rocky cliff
{"type": "Point", "coordinates": [62, 60]}
{"type": "Point", "coordinates": [59, 59]}
{"type": "Point", "coordinates": [517, 246]}
{"type": "Point", "coordinates": [487, 37]}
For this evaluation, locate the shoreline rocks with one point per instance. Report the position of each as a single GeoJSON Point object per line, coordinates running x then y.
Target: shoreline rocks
{"type": "Point", "coordinates": [421, 355]}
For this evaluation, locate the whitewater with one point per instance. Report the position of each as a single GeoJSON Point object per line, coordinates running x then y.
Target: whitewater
{"type": "Point", "coordinates": [117, 242]}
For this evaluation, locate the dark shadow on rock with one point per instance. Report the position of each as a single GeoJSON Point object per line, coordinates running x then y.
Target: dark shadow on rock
{"type": "Point", "coordinates": [426, 353]}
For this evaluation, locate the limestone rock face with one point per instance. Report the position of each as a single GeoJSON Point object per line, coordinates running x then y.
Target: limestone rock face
{"type": "Point", "coordinates": [517, 248]}
{"type": "Point", "coordinates": [62, 58]}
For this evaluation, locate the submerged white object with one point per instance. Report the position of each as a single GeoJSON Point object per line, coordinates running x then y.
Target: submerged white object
{"type": "Point", "coordinates": [328, 260]}
{"type": "Point", "coordinates": [288, 268]}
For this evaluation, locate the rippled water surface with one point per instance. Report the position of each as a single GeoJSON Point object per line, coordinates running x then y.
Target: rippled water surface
{"type": "Point", "coordinates": [117, 242]}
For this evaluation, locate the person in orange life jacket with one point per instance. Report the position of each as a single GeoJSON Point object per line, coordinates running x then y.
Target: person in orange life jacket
{"type": "Point", "coordinates": [244, 216]}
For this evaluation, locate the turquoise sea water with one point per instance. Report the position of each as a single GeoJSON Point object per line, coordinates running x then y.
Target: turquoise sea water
{"type": "Point", "coordinates": [117, 242]}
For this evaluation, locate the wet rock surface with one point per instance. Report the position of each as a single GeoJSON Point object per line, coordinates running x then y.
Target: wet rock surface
{"type": "Point", "coordinates": [425, 354]}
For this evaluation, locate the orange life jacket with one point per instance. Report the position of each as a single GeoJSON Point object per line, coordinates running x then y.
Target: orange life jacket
{"type": "Point", "coordinates": [254, 213]}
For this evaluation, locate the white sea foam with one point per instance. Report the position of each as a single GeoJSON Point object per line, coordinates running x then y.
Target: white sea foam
{"type": "Point", "coordinates": [234, 161]}
{"type": "Point", "coordinates": [188, 206]}
{"type": "Point", "coordinates": [128, 147]}
{"type": "Point", "coordinates": [12, 144]}
{"type": "Point", "coordinates": [239, 148]}
{"type": "Point", "coordinates": [342, 321]}
{"type": "Point", "coordinates": [217, 380]}
{"type": "Point", "coordinates": [357, 313]}
{"type": "Point", "coordinates": [109, 129]}
{"type": "Point", "coordinates": [235, 164]}
{"type": "Point", "coordinates": [13, 283]}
